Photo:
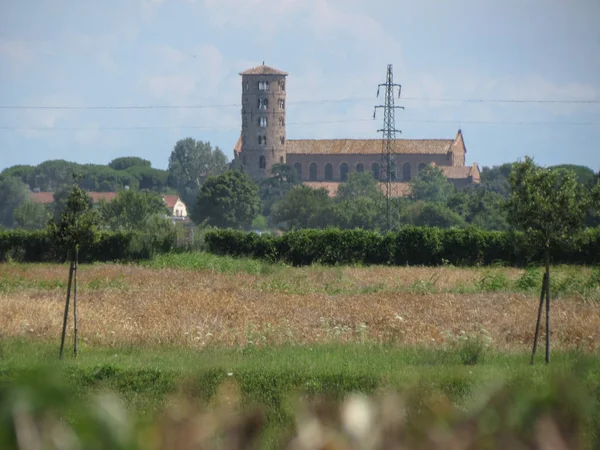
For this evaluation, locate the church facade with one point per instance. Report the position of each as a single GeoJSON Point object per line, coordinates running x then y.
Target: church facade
{"type": "Point", "coordinates": [327, 162]}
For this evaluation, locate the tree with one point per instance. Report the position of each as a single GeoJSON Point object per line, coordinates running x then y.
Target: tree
{"type": "Point", "coordinates": [283, 178]}
{"type": "Point", "coordinates": [495, 179]}
{"type": "Point", "coordinates": [190, 163]}
{"type": "Point", "coordinates": [596, 196]}
{"type": "Point", "coordinates": [132, 210]}
{"type": "Point", "coordinates": [359, 185]}
{"type": "Point", "coordinates": [431, 185]}
{"type": "Point", "coordinates": [584, 175]}
{"type": "Point", "coordinates": [432, 215]}
{"type": "Point", "coordinates": [229, 200]}
{"type": "Point", "coordinates": [148, 178]}
{"type": "Point", "coordinates": [304, 207]}
{"type": "Point", "coordinates": [77, 227]}
{"type": "Point", "coordinates": [360, 212]}
{"type": "Point", "coordinates": [125, 162]}
{"type": "Point", "coordinates": [61, 197]}
{"type": "Point", "coordinates": [32, 216]}
{"type": "Point", "coordinates": [13, 192]}
{"type": "Point", "coordinates": [549, 206]}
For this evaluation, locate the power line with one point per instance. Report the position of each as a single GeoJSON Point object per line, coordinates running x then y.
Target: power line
{"type": "Point", "coordinates": [218, 128]}
{"type": "Point", "coordinates": [298, 102]}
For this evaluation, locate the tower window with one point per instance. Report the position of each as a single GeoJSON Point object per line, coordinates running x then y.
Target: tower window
{"type": "Point", "coordinates": [262, 163]}
{"type": "Point", "coordinates": [282, 140]}
{"type": "Point", "coordinates": [244, 121]}
{"type": "Point", "coordinates": [262, 140]}
{"type": "Point", "coordinates": [262, 122]}
{"type": "Point", "coordinates": [246, 87]}
{"type": "Point", "coordinates": [281, 103]}
{"type": "Point", "coordinates": [263, 104]}
{"type": "Point", "coordinates": [281, 122]}
{"type": "Point", "coordinates": [281, 85]}
{"type": "Point", "coordinates": [263, 85]}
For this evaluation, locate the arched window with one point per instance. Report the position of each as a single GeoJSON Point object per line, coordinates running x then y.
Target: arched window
{"type": "Point", "coordinates": [312, 172]}
{"type": "Point", "coordinates": [298, 168]}
{"type": "Point", "coordinates": [422, 166]}
{"type": "Point", "coordinates": [375, 170]}
{"type": "Point", "coordinates": [328, 172]}
{"type": "Point", "coordinates": [360, 167]}
{"type": "Point", "coordinates": [281, 160]}
{"type": "Point", "coordinates": [343, 171]}
{"type": "Point", "coordinates": [262, 163]}
{"type": "Point", "coordinates": [406, 172]}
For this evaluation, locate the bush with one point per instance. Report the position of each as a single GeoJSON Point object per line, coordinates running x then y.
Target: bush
{"type": "Point", "coordinates": [35, 246]}
{"type": "Point", "coordinates": [407, 246]}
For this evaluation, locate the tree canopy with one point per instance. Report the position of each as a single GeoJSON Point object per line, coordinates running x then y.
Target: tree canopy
{"type": "Point", "coordinates": [190, 164]}
{"type": "Point", "coordinates": [13, 192]}
{"type": "Point", "coordinates": [431, 185]}
{"type": "Point", "coordinates": [125, 162]}
{"type": "Point", "coordinates": [229, 200]}
{"type": "Point", "coordinates": [548, 204]}
{"type": "Point", "coordinates": [304, 207]}
{"type": "Point", "coordinates": [132, 210]}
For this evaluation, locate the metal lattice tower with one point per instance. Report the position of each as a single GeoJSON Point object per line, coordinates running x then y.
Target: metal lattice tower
{"type": "Point", "coordinates": [387, 172]}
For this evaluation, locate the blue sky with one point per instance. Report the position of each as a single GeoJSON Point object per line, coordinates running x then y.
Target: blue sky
{"type": "Point", "coordinates": [189, 52]}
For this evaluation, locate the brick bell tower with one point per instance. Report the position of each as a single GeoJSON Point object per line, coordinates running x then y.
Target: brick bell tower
{"type": "Point", "coordinates": [263, 120]}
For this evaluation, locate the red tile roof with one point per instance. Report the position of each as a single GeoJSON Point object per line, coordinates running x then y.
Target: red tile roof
{"type": "Point", "coordinates": [98, 196]}
{"type": "Point", "coordinates": [263, 70]}
{"type": "Point", "coordinates": [170, 201]}
{"type": "Point", "coordinates": [41, 197]}
{"type": "Point", "coordinates": [367, 146]}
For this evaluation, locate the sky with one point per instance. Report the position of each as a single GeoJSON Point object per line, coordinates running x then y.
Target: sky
{"type": "Point", "coordinates": [461, 63]}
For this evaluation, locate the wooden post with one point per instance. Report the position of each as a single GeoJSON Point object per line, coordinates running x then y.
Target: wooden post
{"type": "Point", "coordinates": [547, 305]}
{"type": "Point", "coordinates": [75, 300]}
{"type": "Point", "coordinates": [539, 318]}
{"type": "Point", "coordinates": [64, 329]}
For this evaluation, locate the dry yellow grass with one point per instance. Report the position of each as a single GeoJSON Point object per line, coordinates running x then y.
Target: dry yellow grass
{"type": "Point", "coordinates": [133, 305]}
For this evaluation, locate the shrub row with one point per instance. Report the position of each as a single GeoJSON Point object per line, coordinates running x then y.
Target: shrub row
{"type": "Point", "coordinates": [407, 246]}
{"type": "Point", "coordinates": [35, 246]}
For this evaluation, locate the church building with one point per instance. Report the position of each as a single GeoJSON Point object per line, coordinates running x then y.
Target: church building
{"type": "Point", "coordinates": [327, 162]}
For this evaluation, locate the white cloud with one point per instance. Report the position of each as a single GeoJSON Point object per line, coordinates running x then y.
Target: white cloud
{"type": "Point", "coordinates": [169, 86]}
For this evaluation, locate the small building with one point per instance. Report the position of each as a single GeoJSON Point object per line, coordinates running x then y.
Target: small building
{"type": "Point", "coordinates": [177, 208]}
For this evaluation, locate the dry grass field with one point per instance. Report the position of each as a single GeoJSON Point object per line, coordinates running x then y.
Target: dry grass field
{"type": "Point", "coordinates": [127, 304]}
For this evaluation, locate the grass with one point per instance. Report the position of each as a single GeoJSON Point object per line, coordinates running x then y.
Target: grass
{"type": "Point", "coordinates": [229, 302]}
{"type": "Point", "coordinates": [184, 334]}
{"type": "Point", "coordinates": [149, 379]}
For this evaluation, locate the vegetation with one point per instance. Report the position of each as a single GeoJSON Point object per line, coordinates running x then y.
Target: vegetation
{"type": "Point", "coordinates": [409, 245]}
{"type": "Point", "coordinates": [228, 200]}
{"type": "Point", "coordinates": [287, 397]}
{"type": "Point", "coordinates": [233, 302]}
{"type": "Point", "coordinates": [190, 164]}
{"type": "Point", "coordinates": [133, 211]}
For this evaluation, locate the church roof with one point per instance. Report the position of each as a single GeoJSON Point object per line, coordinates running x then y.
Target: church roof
{"type": "Point", "coordinates": [263, 70]}
{"type": "Point", "coordinates": [367, 146]}
{"type": "Point", "coordinates": [459, 173]}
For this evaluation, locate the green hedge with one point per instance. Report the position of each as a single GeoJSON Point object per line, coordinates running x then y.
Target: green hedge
{"type": "Point", "coordinates": [407, 246]}
{"type": "Point", "coordinates": [34, 246]}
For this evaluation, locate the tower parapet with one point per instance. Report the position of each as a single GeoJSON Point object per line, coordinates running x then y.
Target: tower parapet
{"type": "Point", "coordinates": [263, 120]}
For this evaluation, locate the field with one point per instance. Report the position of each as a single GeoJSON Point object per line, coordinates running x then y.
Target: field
{"type": "Point", "coordinates": [192, 323]}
